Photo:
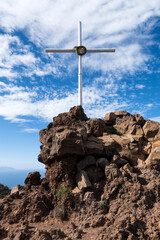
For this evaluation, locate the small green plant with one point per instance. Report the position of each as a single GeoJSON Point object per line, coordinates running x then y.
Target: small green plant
{"type": "Point", "coordinates": [62, 191]}
{"type": "Point", "coordinates": [102, 205]}
{"type": "Point", "coordinates": [115, 131]}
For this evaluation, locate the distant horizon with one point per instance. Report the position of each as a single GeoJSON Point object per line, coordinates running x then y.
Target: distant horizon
{"type": "Point", "coordinates": [12, 178]}
{"type": "Point", "coordinates": [11, 168]}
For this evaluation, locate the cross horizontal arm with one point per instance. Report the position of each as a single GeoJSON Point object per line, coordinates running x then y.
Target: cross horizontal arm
{"type": "Point", "coordinates": [100, 50]}
{"type": "Point", "coordinates": [60, 50]}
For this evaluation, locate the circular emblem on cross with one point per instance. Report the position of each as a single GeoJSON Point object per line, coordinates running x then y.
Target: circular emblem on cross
{"type": "Point", "coordinates": [81, 50]}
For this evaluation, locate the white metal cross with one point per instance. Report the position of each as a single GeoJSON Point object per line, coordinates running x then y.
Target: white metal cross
{"type": "Point", "coordinates": [80, 50]}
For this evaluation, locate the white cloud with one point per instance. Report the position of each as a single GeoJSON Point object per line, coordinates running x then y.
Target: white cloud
{"type": "Point", "coordinates": [8, 57]}
{"type": "Point", "coordinates": [9, 73]}
{"type": "Point", "coordinates": [31, 130]}
{"type": "Point", "coordinates": [149, 105]}
{"type": "Point", "coordinates": [18, 103]}
{"type": "Point", "coordinates": [13, 53]}
{"type": "Point", "coordinates": [106, 23]}
{"type": "Point", "coordinates": [139, 86]}
{"type": "Point", "coordinates": [127, 58]}
{"type": "Point", "coordinates": [54, 23]}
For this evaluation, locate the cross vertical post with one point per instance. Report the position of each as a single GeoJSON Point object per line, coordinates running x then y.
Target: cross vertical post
{"type": "Point", "coordinates": [80, 50]}
{"type": "Point", "coordinates": [80, 64]}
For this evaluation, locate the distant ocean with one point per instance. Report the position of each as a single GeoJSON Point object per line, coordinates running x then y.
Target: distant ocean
{"type": "Point", "coordinates": [13, 177]}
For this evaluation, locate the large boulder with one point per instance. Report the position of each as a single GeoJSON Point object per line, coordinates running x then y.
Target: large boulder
{"type": "Point", "coordinates": [93, 146]}
{"type": "Point", "coordinates": [110, 118]}
{"type": "Point", "coordinates": [150, 129]}
{"type": "Point", "coordinates": [139, 119]}
{"type": "Point", "coordinates": [60, 142]}
{"type": "Point", "coordinates": [74, 115]}
{"type": "Point", "coordinates": [96, 127]}
{"type": "Point", "coordinates": [33, 178]}
{"type": "Point", "coordinates": [111, 145]}
{"type": "Point", "coordinates": [127, 123]}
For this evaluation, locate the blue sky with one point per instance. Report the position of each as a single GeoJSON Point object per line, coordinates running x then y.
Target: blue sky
{"type": "Point", "coordinates": [35, 86]}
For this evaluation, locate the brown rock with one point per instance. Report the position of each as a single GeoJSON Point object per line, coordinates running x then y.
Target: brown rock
{"type": "Point", "coordinates": [75, 114]}
{"type": "Point", "coordinates": [96, 127]}
{"type": "Point", "coordinates": [95, 174]}
{"type": "Point", "coordinates": [102, 162]}
{"type": "Point", "coordinates": [33, 178]}
{"type": "Point", "coordinates": [111, 172]}
{"type": "Point", "coordinates": [110, 144]}
{"type": "Point", "coordinates": [153, 161]}
{"type": "Point", "coordinates": [125, 124]}
{"type": "Point", "coordinates": [4, 190]}
{"type": "Point", "coordinates": [151, 128]}
{"type": "Point", "coordinates": [110, 118]}
{"type": "Point", "coordinates": [119, 161]}
{"type": "Point", "coordinates": [68, 142]}
{"type": "Point", "coordinates": [86, 162]}
{"type": "Point", "coordinates": [76, 190]}
{"type": "Point", "coordinates": [15, 190]}
{"type": "Point", "coordinates": [60, 142]}
{"type": "Point", "coordinates": [126, 170]}
{"type": "Point", "coordinates": [121, 113]}
{"type": "Point", "coordinates": [93, 146]}
{"type": "Point", "coordinates": [82, 180]}
{"type": "Point", "coordinates": [139, 119]}
{"type": "Point", "coordinates": [129, 124]}
{"type": "Point", "coordinates": [140, 163]}
{"type": "Point", "coordinates": [147, 146]}
{"type": "Point", "coordinates": [89, 197]}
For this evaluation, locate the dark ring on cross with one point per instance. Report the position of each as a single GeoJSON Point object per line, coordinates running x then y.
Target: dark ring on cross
{"type": "Point", "coordinates": [80, 50]}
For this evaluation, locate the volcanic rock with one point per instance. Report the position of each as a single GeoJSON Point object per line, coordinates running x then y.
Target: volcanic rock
{"type": "Point", "coordinates": [102, 181]}
{"type": "Point", "coordinates": [33, 178]}
{"type": "Point", "coordinates": [86, 162]}
{"type": "Point", "coordinates": [150, 129]}
{"type": "Point", "coordinates": [153, 161]}
{"type": "Point", "coordinates": [82, 180]}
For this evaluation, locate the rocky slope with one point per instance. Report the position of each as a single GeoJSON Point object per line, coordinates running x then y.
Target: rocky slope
{"type": "Point", "coordinates": [102, 182]}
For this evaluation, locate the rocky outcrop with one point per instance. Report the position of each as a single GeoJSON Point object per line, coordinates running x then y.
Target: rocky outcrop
{"type": "Point", "coordinates": [102, 181]}
{"type": "Point", "coordinates": [4, 190]}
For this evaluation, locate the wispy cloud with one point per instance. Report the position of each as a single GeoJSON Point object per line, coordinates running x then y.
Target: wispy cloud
{"type": "Point", "coordinates": [31, 130]}
{"type": "Point", "coordinates": [13, 54]}
{"type": "Point", "coordinates": [20, 104]}
{"type": "Point", "coordinates": [139, 86]}
{"type": "Point", "coordinates": [119, 22]}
